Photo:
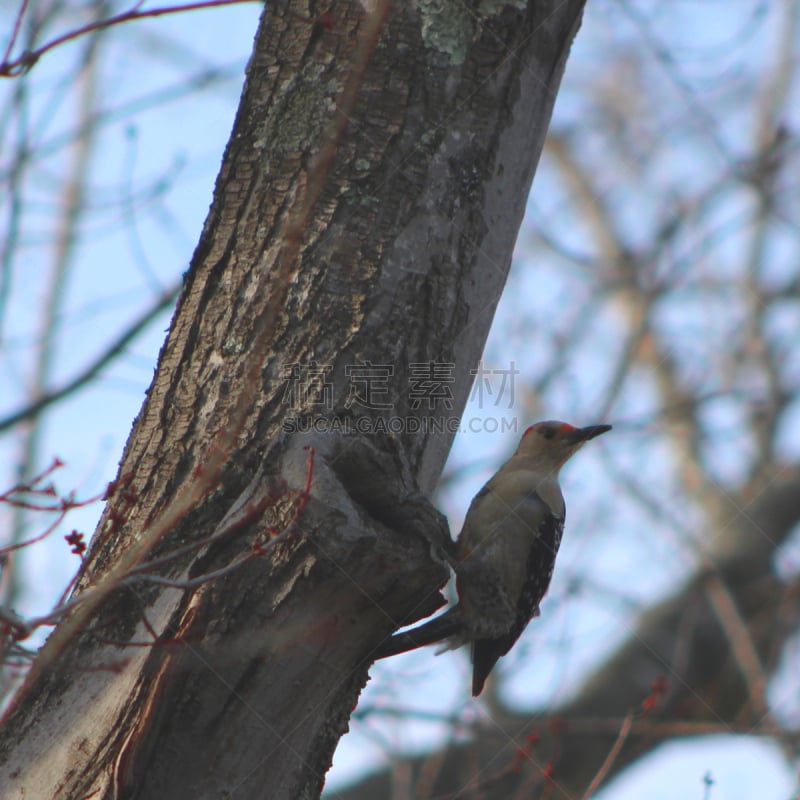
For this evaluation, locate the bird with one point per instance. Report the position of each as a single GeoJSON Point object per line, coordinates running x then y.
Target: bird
{"type": "Point", "coordinates": [506, 551]}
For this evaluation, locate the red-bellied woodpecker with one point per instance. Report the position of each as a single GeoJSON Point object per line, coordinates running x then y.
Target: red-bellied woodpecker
{"type": "Point", "coordinates": [506, 551]}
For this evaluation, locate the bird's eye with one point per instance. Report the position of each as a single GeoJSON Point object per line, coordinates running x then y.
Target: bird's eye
{"type": "Point", "coordinates": [548, 432]}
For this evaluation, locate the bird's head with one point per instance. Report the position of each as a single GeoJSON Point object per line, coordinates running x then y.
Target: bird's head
{"type": "Point", "coordinates": [552, 443]}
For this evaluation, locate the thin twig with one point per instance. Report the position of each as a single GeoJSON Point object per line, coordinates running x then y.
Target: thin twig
{"type": "Point", "coordinates": [92, 370]}
{"type": "Point", "coordinates": [21, 64]}
{"type": "Point", "coordinates": [627, 724]}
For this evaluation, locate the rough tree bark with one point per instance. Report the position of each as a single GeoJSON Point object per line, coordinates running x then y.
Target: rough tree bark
{"type": "Point", "coordinates": [365, 213]}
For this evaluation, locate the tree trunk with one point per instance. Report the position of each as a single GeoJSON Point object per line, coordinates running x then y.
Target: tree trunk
{"type": "Point", "coordinates": [247, 564]}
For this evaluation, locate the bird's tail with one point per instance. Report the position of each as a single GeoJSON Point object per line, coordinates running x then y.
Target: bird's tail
{"type": "Point", "coordinates": [446, 626]}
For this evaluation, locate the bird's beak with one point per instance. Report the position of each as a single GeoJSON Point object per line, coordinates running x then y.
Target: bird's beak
{"type": "Point", "coordinates": [580, 435]}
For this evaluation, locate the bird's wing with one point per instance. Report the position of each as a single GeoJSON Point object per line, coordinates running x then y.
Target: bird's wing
{"type": "Point", "coordinates": [541, 560]}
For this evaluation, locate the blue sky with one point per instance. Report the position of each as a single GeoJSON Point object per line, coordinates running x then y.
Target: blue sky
{"type": "Point", "coordinates": [152, 173]}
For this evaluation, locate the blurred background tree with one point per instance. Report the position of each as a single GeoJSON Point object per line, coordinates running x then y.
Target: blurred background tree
{"type": "Point", "coordinates": [655, 286]}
